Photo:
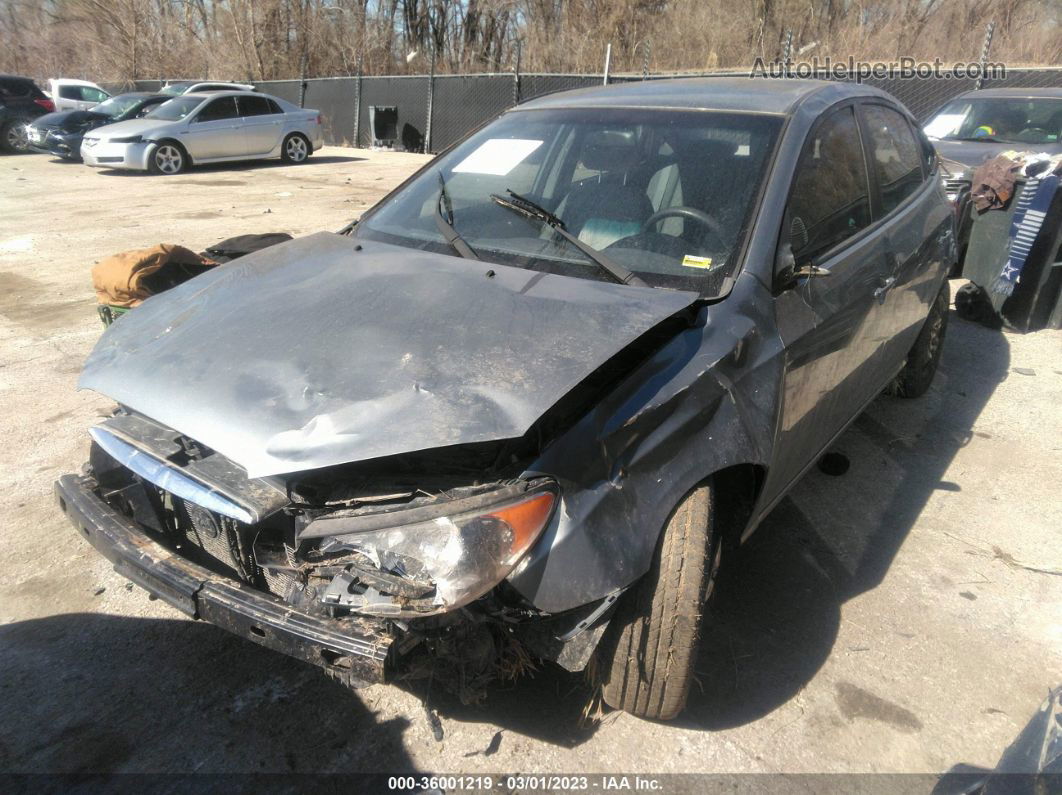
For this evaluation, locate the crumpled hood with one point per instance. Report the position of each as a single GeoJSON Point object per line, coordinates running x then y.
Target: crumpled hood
{"type": "Point", "coordinates": [327, 350]}
{"type": "Point", "coordinates": [67, 119]}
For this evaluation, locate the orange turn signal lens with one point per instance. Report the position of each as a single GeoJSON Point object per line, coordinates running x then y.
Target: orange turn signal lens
{"type": "Point", "coordinates": [527, 520]}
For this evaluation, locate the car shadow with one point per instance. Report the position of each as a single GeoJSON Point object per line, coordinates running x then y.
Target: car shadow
{"type": "Point", "coordinates": [86, 693]}
{"type": "Point", "coordinates": [238, 165]}
{"type": "Point", "coordinates": [778, 611]}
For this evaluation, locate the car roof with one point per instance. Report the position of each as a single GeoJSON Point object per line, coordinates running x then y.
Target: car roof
{"type": "Point", "coordinates": [779, 96]}
{"type": "Point", "coordinates": [1014, 93]}
{"type": "Point", "coordinates": [73, 81]}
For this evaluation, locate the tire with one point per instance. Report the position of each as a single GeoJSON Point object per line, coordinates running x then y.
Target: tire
{"type": "Point", "coordinates": [168, 158]}
{"type": "Point", "coordinates": [647, 657]}
{"type": "Point", "coordinates": [295, 149]}
{"type": "Point", "coordinates": [922, 360]}
{"type": "Point", "coordinates": [13, 136]}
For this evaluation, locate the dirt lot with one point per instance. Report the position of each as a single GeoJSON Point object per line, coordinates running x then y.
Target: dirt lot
{"type": "Point", "coordinates": [888, 619]}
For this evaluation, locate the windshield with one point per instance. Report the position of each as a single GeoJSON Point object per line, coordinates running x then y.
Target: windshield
{"type": "Point", "coordinates": [116, 106]}
{"type": "Point", "coordinates": [1026, 121]}
{"type": "Point", "coordinates": [175, 89]}
{"type": "Point", "coordinates": [666, 194]}
{"type": "Point", "coordinates": [175, 109]}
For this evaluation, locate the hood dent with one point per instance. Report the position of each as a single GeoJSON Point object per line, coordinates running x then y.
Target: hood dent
{"type": "Point", "coordinates": [316, 353]}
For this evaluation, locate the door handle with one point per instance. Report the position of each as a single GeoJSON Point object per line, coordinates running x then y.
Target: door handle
{"type": "Point", "coordinates": [886, 284]}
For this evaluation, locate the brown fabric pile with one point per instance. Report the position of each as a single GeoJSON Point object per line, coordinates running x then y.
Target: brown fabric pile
{"type": "Point", "coordinates": [993, 183]}
{"type": "Point", "coordinates": [128, 278]}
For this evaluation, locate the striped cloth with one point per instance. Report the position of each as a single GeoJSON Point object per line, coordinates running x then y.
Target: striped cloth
{"type": "Point", "coordinates": [1029, 214]}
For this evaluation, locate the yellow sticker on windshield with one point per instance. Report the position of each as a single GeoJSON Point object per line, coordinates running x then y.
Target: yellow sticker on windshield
{"type": "Point", "coordinates": [691, 261]}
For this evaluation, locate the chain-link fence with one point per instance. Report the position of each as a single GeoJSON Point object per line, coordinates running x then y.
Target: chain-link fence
{"type": "Point", "coordinates": [433, 112]}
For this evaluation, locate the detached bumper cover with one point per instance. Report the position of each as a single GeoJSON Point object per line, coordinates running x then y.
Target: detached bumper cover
{"type": "Point", "coordinates": [357, 654]}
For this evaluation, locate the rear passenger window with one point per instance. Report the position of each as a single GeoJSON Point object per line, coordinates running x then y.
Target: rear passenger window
{"type": "Point", "coordinates": [274, 107]}
{"type": "Point", "coordinates": [895, 153]}
{"type": "Point", "coordinates": [70, 92]}
{"type": "Point", "coordinates": [254, 106]}
{"type": "Point", "coordinates": [830, 200]}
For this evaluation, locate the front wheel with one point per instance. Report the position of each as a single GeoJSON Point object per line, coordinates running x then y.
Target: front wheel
{"type": "Point", "coordinates": [922, 360]}
{"type": "Point", "coordinates": [647, 657]}
{"type": "Point", "coordinates": [295, 149]}
{"type": "Point", "coordinates": [168, 158]}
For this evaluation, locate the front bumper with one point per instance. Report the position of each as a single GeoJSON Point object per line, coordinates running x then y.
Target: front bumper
{"type": "Point", "coordinates": [106, 154]}
{"type": "Point", "coordinates": [55, 142]}
{"type": "Point", "coordinates": [358, 654]}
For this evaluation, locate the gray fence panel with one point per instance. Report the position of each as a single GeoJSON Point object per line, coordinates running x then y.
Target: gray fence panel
{"type": "Point", "coordinates": [922, 97]}
{"type": "Point", "coordinates": [1028, 78]}
{"type": "Point", "coordinates": [464, 102]}
{"type": "Point", "coordinates": [410, 96]}
{"type": "Point", "coordinates": [532, 86]}
{"type": "Point", "coordinates": [334, 98]}
{"type": "Point", "coordinates": [285, 89]}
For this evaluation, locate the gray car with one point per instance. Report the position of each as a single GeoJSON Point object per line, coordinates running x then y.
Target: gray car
{"type": "Point", "coordinates": [209, 127]}
{"type": "Point", "coordinates": [528, 404]}
{"type": "Point", "coordinates": [980, 125]}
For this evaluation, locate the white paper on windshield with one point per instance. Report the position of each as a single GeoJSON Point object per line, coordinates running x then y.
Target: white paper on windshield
{"type": "Point", "coordinates": [944, 124]}
{"type": "Point", "coordinates": [498, 156]}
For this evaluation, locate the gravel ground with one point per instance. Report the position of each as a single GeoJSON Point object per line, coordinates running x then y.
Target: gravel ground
{"type": "Point", "coordinates": [890, 619]}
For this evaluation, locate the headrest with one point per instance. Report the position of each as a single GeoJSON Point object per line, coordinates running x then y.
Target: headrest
{"type": "Point", "coordinates": [610, 150]}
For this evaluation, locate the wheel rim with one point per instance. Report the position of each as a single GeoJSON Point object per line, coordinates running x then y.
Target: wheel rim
{"type": "Point", "coordinates": [17, 137]}
{"type": "Point", "coordinates": [168, 159]}
{"type": "Point", "coordinates": [296, 149]}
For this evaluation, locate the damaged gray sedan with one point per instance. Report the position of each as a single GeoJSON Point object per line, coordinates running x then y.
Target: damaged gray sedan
{"type": "Point", "coordinates": [522, 408]}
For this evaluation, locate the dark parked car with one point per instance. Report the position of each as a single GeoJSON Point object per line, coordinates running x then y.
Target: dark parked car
{"type": "Point", "coordinates": [21, 101]}
{"type": "Point", "coordinates": [979, 125]}
{"type": "Point", "coordinates": [528, 402]}
{"type": "Point", "coordinates": [60, 133]}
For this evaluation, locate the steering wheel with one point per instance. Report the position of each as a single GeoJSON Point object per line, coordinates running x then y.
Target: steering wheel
{"type": "Point", "coordinates": [692, 213]}
{"type": "Point", "coordinates": [1037, 132]}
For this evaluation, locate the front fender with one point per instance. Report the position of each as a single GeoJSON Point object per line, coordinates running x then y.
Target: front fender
{"type": "Point", "coordinates": [704, 402]}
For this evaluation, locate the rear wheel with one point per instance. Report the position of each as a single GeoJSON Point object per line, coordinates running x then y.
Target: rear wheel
{"type": "Point", "coordinates": [295, 149]}
{"type": "Point", "coordinates": [922, 360]}
{"type": "Point", "coordinates": [646, 660]}
{"type": "Point", "coordinates": [13, 135]}
{"type": "Point", "coordinates": [168, 158]}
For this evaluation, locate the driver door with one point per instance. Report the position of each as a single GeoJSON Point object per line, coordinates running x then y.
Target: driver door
{"type": "Point", "coordinates": [215, 131]}
{"type": "Point", "coordinates": [830, 323]}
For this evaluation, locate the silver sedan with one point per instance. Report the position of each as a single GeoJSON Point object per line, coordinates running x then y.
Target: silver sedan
{"type": "Point", "coordinates": [206, 128]}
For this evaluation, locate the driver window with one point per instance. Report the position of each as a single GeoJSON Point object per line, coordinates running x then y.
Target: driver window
{"type": "Point", "coordinates": [220, 108]}
{"type": "Point", "coordinates": [830, 197]}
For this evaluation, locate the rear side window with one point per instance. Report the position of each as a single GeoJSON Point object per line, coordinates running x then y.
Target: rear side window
{"type": "Point", "coordinates": [274, 107]}
{"type": "Point", "coordinates": [254, 106]}
{"type": "Point", "coordinates": [895, 154]}
{"type": "Point", "coordinates": [89, 94]}
{"type": "Point", "coordinates": [221, 108]}
{"type": "Point", "coordinates": [70, 92]}
{"type": "Point", "coordinates": [830, 199]}
{"type": "Point", "coordinates": [18, 88]}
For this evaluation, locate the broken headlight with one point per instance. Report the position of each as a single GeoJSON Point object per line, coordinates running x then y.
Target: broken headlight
{"type": "Point", "coordinates": [428, 566]}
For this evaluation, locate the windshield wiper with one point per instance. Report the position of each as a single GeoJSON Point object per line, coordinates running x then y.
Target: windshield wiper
{"type": "Point", "coordinates": [445, 223]}
{"type": "Point", "coordinates": [527, 208]}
